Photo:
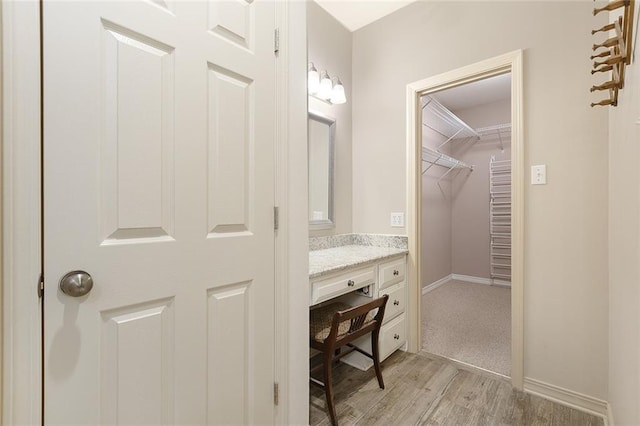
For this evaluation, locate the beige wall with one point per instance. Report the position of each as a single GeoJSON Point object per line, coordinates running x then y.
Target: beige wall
{"type": "Point", "coordinates": [470, 202]}
{"type": "Point", "coordinates": [624, 252]}
{"type": "Point", "coordinates": [329, 48]}
{"type": "Point", "coordinates": [565, 312]}
{"type": "Point", "coordinates": [436, 214]}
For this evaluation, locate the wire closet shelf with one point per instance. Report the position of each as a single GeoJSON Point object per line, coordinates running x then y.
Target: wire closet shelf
{"type": "Point", "coordinates": [441, 120]}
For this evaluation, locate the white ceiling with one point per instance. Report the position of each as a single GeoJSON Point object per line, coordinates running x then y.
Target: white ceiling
{"type": "Point", "coordinates": [479, 92]}
{"type": "Point", "coordinates": [355, 14]}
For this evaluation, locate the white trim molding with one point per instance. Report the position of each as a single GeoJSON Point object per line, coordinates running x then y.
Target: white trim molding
{"type": "Point", "coordinates": [471, 279]}
{"type": "Point", "coordinates": [579, 401]}
{"type": "Point", "coordinates": [608, 421]}
{"type": "Point", "coordinates": [292, 237]}
{"type": "Point", "coordinates": [481, 280]}
{"type": "Point", "coordinates": [21, 350]}
{"type": "Point", "coordinates": [509, 62]}
{"type": "Point", "coordinates": [442, 281]}
{"type": "Point", "coordinates": [465, 278]}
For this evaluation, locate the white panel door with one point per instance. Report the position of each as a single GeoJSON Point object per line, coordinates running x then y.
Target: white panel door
{"type": "Point", "coordinates": [159, 133]}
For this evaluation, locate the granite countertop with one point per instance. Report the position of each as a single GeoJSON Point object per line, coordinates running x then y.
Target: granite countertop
{"type": "Point", "coordinates": [325, 261]}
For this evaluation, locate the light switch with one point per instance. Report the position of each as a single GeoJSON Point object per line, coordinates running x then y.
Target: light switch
{"type": "Point", "coordinates": [539, 174]}
{"type": "Point", "coordinates": [397, 220]}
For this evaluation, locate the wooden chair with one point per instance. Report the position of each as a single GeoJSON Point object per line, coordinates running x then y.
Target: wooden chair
{"type": "Point", "coordinates": [336, 325]}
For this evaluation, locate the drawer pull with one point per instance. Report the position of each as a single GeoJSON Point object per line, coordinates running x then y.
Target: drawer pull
{"type": "Point", "coordinates": [350, 283]}
{"type": "Point", "coordinates": [396, 336]}
{"type": "Point", "coordinates": [396, 302]}
{"type": "Point", "coordinates": [396, 272]}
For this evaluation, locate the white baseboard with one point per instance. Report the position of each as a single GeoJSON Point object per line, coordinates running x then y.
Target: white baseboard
{"type": "Point", "coordinates": [471, 279]}
{"type": "Point", "coordinates": [442, 281]}
{"type": "Point", "coordinates": [465, 278]}
{"type": "Point", "coordinates": [567, 397]}
{"type": "Point", "coordinates": [501, 283]}
{"type": "Point", "coordinates": [480, 280]}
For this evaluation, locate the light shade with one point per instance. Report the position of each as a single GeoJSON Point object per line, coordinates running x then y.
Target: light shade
{"type": "Point", "coordinates": [326, 87]}
{"type": "Point", "coordinates": [313, 79]}
{"type": "Point", "coordinates": [337, 94]}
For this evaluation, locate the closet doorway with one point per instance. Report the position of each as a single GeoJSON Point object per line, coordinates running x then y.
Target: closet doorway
{"type": "Point", "coordinates": [466, 223]}
{"type": "Point", "coordinates": [465, 184]}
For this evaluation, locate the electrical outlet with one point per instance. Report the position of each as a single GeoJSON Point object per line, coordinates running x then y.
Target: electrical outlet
{"type": "Point", "coordinates": [397, 220]}
{"type": "Point", "coordinates": [539, 175]}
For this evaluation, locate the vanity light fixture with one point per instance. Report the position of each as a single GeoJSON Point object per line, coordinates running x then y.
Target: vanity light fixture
{"type": "Point", "coordinates": [313, 79]}
{"type": "Point", "coordinates": [337, 94]}
{"type": "Point", "coordinates": [326, 87]}
{"type": "Point", "coordinates": [321, 86]}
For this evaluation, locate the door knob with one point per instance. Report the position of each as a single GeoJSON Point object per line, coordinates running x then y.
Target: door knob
{"type": "Point", "coordinates": [76, 283]}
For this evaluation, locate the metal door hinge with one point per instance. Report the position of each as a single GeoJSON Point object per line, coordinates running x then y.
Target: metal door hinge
{"type": "Point", "coordinates": [41, 286]}
{"type": "Point", "coordinates": [276, 218]}
{"type": "Point", "coordinates": [275, 393]}
{"type": "Point", "coordinates": [276, 41]}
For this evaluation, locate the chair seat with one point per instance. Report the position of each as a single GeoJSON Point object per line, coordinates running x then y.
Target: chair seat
{"type": "Point", "coordinates": [336, 325]}
{"type": "Point", "coordinates": [320, 320]}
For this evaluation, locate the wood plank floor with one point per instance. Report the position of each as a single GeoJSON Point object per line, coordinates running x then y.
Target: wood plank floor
{"type": "Point", "coordinates": [421, 389]}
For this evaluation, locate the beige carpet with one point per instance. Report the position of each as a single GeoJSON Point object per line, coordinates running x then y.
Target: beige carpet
{"type": "Point", "coordinates": [470, 323]}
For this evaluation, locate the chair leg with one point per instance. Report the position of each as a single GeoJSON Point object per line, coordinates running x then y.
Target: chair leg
{"type": "Point", "coordinates": [376, 358]}
{"type": "Point", "coordinates": [328, 385]}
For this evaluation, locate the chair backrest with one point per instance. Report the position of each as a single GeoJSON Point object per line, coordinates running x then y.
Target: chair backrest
{"type": "Point", "coordinates": [359, 323]}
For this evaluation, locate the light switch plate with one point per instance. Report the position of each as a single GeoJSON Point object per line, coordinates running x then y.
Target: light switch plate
{"type": "Point", "coordinates": [397, 220]}
{"type": "Point", "coordinates": [539, 174]}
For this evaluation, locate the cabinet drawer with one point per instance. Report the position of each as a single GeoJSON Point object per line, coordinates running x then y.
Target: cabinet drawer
{"type": "Point", "coordinates": [392, 272]}
{"type": "Point", "coordinates": [392, 336]}
{"type": "Point", "coordinates": [396, 302]}
{"type": "Point", "coordinates": [329, 288]}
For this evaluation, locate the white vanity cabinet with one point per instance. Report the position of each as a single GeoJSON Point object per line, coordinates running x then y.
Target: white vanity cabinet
{"type": "Point", "coordinates": [337, 285]}
{"type": "Point", "coordinates": [356, 285]}
{"type": "Point", "coordinates": [392, 281]}
{"type": "Point", "coordinates": [393, 336]}
{"type": "Point", "coordinates": [392, 272]}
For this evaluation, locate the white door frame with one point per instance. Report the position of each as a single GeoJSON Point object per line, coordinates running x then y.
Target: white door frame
{"type": "Point", "coordinates": [508, 62]}
{"type": "Point", "coordinates": [21, 255]}
{"type": "Point", "coordinates": [21, 213]}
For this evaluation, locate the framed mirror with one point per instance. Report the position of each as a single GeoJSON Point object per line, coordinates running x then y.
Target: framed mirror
{"type": "Point", "coordinates": [321, 140]}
